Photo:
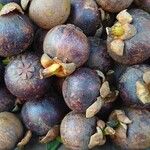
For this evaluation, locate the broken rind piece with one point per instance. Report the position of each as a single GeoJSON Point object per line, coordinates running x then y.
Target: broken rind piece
{"type": "Point", "coordinates": [51, 134]}
{"type": "Point", "coordinates": [25, 140]}
{"type": "Point", "coordinates": [94, 108]}
{"type": "Point", "coordinates": [117, 46]}
{"type": "Point", "coordinates": [10, 7]}
{"type": "Point", "coordinates": [143, 92]}
{"type": "Point", "coordinates": [124, 17]}
{"type": "Point", "coordinates": [24, 4]}
{"type": "Point", "coordinates": [146, 77]}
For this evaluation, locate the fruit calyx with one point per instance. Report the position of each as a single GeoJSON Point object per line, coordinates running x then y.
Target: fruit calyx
{"type": "Point", "coordinates": [55, 67]}
{"type": "Point", "coordinates": [143, 88]}
{"type": "Point", "coordinates": [122, 30]}
{"type": "Point", "coordinates": [25, 4]}
{"type": "Point", "coordinates": [10, 7]}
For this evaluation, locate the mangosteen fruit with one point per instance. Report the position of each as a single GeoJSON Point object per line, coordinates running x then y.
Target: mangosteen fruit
{"type": "Point", "coordinates": [48, 13]}
{"type": "Point", "coordinates": [43, 117]}
{"type": "Point", "coordinates": [22, 77]}
{"type": "Point", "coordinates": [134, 86]}
{"type": "Point", "coordinates": [7, 100]}
{"type": "Point", "coordinates": [144, 4]}
{"type": "Point", "coordinates": [66, 48]}
{"type": "Point", "coordinates": [16, 30]}
{"type": "Point", "coordinates": [11, 130]}
{"type": "Point", "coordinates": [85, 15]}
{"type": "Point", "coordinates": [132, 131]}
{"type": "Point", "coordinates": [128, 40]}
{"type": "Point", "coordinates": [99, 58]}
{"type": "Point", "coordinates": [114, 6]}
{"type": "Point", "coordinates": [81, 133]}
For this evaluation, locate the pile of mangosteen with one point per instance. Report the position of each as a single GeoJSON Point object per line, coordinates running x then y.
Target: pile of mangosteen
{"type": "Point", "coordinates": [77, 71]}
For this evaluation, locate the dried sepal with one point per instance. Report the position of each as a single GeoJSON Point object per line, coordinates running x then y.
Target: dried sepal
{"type": "Point", "coordinates": [142, 92]}
{"type": "Point", "coordinates": [94, 108]}
{"type": "Point", "coordinates": [101, 124]}
{"type": "Point", "coordinates": [10, 7]}
{"type": "Point", "coordinates": [109, 131]}
{"type": "Point", "coordinates": [105, 90]}
{"type": "Point", "coordinates": [146, 77]}
{"type": "Point", "coordinates": [117, 46]}
{"type": "Point", "coordinates": [25, 140]}
{"type": "Point", "coordinates": [124, 17]}
{"type": "Point", "coordinates": [112, 96]}
{"type": "Point", "coordinates": [51, 134]}
{"type": "Point", "coordinates": [46, 61]}
{"type": "Point", "coordinates": [101, 74]}
{"type": "Point", "coordinates": [24, 4]}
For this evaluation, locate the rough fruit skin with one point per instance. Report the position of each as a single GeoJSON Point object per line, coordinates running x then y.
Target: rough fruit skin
{"type": "Point", "coordinates": [138, 132]}
{"type": "Point", "coordinates": [127, 85]}
{"type": "Point", "coordinates": [76, 131]}
{"type": "Point", "coordinates": [114, 5]}
{"type": "Point", "coordinates": [40, 116]}
{"type": "Point", "coordinates": [67, 43]}
{"type": "Point", "coordinates": [11, 130]}
{"type": "Point", "coordinates": [85, 15]}
{"type": "Point", "coordinates": [137, 48]}
{"type": "Point", "coordinates": [81, 89]}
{"type": "Point", "coordinates": [99, 58]}
{"type": "Point", "coordinates": [22, 77]}
{"type": "Point", "coordinates": [144, 4]}
{"type": "Point", "coordinates": [16, 34]}
{"type": "Point", "coordinates": [7, 100]}
{"type": "Point", "coordinates": [48, 13]}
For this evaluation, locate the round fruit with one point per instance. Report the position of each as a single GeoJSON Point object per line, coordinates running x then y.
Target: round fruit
{"type": "Point", "coordinates": [7, 100]}
{"type": "Point", "coordinates": [22, 77]}
{"type": "Point", "coordinates": [76, 131]}
{"type": "Point", "coordinates": [144, 4]}
{"type": "Point", "coordinates": [137, 135]}
{"type": "Point", "coordinates": [40, 116]}
{"type": "Point", "coordinates": [81, 89]}
{"type": "Point", "coordinates": [16, 30]}
{"type": "Point", "coordinates": [99, 58]}
{"type": "Point", "coordinates": [131, 43]}
{"type": "Point", "coordinates": [85, 15]}
{"type": "Point", "coordinates": [114, 5]}
{"type": "Point", "coordinates": [134, 86]}
{"type": "Point", "coordinates": [50, 13]}
{"type": "Point", "coordinates": [11, 130]}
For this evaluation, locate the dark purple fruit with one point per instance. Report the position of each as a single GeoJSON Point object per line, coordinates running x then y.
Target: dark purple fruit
{"type": "Point", "coordinates": [133, 41]}
{"type": "Point", "coordinates": [85, 15]}
{"type": "Point", "coordinates": [114, 5]}
{"type": "Point", "coordinates": [137, 136]}
{"type": "Point", "coordinates": [40, 116]}
{"type": "Point", "coordinates": [7, 100]}
{"type": "Point", "coordinates": [99, 58]}
{"type": "Point", "coordinates": [16, 31]}
{"type": "Point", "coordinates": [22, 77]}
{"type": "Point", "coordinates": [11, 130]}
{"type": "Point", "coordinates": [8, 1]}
{"type": "Point", "coordinates": [134, 86]}
{"type": "Point", "coordinates": [144, 4]}
{"type": "Point", "coordinates": [76, 131]}
{"type": "Point", "coordinates": [38, 41]}
{"type": "Point", "coordinates": [81, 89]}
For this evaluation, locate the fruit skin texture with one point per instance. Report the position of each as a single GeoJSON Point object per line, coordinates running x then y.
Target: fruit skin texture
{"type": "Point", "coordinates": [99, 58]}
{"type": "Point", "coordinates": [22, 77]}
{"type": "Point", "coordinates": [144, 4]}
{"type": "Point", "coordinates": [127, 86]}
{"type": "Point", "coordinates": [40, 116]}
{"type": "Point", "coordinates": [85, 15]}
{"type": "Point", "coordinates": [76, 131]}
{"type": "Point", "coordinates": [67, 42]}
{"type": "Point", "coordinates": [137, 48]}
{"type": "Point", "coordinates": [81, 89]}
{"type": "Point", "coordinates": [114, 5]}
{"type": "Point", "coordinates": [11, 130]}
{"type": "Point", "coordinates": [16, 34]}
{"type": "Point", "coordinates": [7, 100]}
{"type": "Point", "coordinates": [138, 132]}
{"type": "Point", "coordinates": [49, 13]}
